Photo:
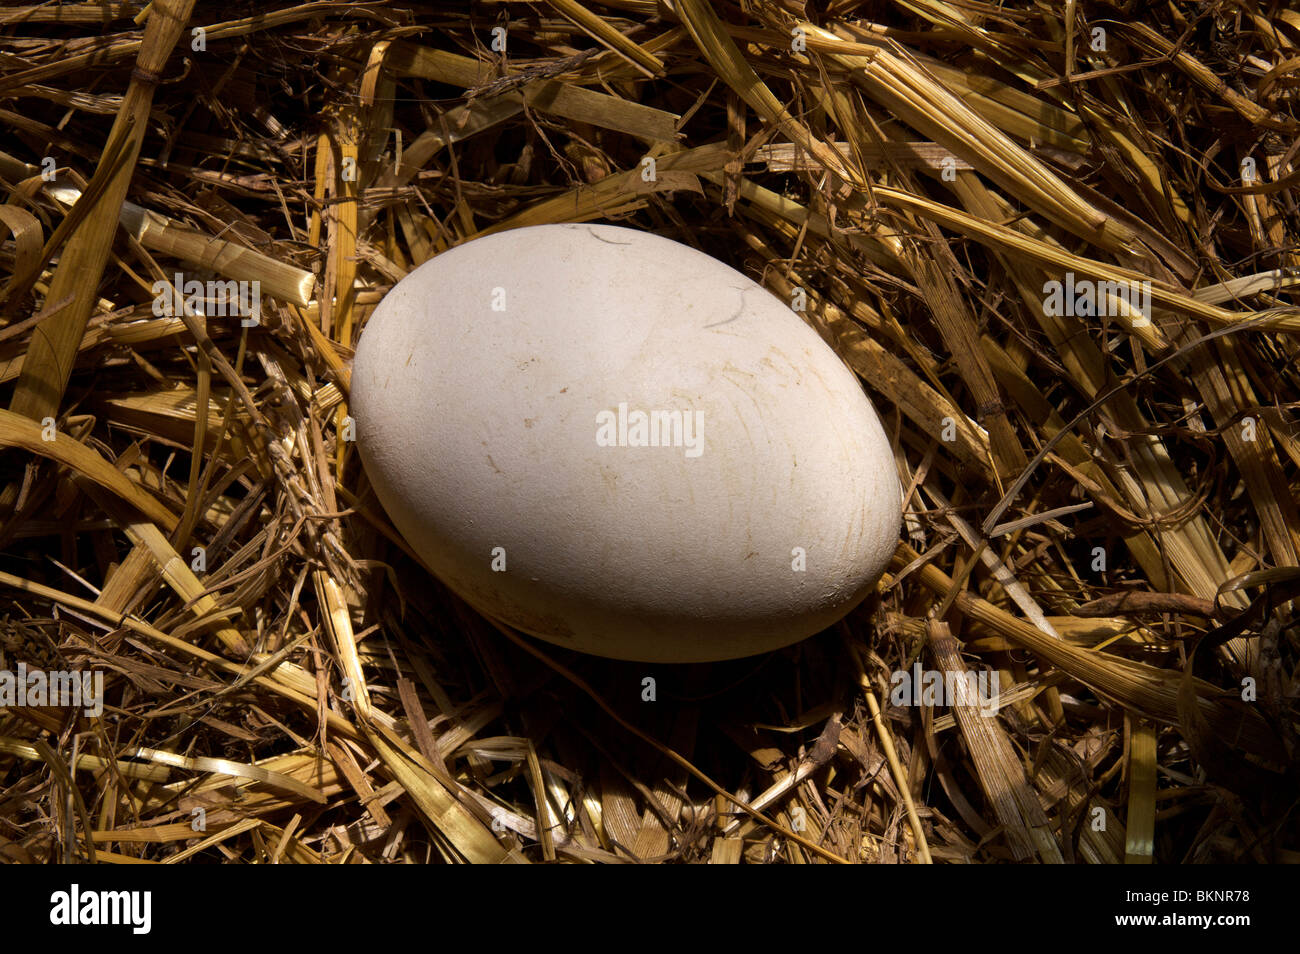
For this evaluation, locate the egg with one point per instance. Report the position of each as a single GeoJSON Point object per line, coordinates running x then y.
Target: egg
{"type": "Point", "coordinates": [623, 446]}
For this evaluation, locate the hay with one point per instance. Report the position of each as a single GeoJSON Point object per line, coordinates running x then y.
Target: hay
{"type": "Point", "coordinates": [1101, 508]}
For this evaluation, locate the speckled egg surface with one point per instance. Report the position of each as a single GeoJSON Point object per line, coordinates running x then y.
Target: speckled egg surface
{"type": "Point", "coordinates": [619, 444]}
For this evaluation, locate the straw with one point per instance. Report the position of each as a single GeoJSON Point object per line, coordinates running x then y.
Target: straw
{"type": "Point", "coordinates": [1100, 506]}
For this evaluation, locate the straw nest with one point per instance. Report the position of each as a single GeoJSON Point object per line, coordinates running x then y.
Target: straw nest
{"type": "Point", "coordinates": [1100, 507]}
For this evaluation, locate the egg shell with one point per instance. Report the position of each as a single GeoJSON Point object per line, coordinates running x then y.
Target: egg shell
{"type": "Point", "coordinates": [495, 391]}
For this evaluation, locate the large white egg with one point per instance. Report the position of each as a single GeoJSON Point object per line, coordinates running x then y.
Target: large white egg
{"type": "Point", "coordinates": [623, 446]}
